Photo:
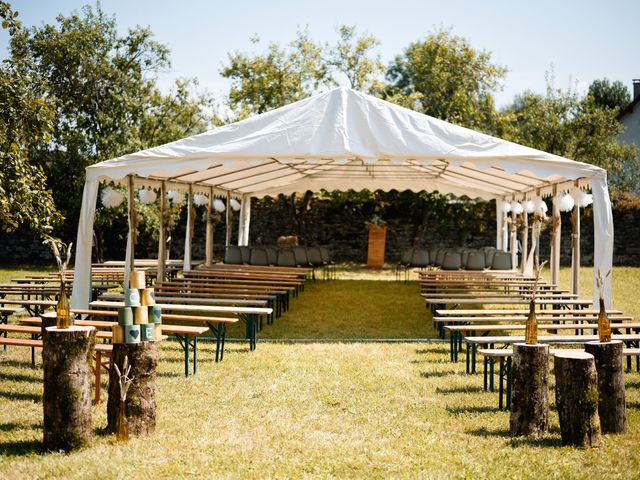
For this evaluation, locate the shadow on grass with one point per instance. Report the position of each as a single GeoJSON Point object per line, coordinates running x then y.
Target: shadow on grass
{"type": "Point", "coordinates": [425, 351]}
{"type": "Point", "coordinates": [632, 384]}
{"type": "Point", "coordinates": [20, 448]}
{"type": "Point", "coordinates": [32, 397]}
{"type": "Point", "coordinates": [483, 432]}
{"type": "Point", "coordinates": [633, 405]}
{"type": "Point", "coordinates": [19, 364]}
{"type": "Point", "coordinates": [515, 442]}
{"type": "Point", "coordinates": [440, 373]}
{"type": "Point", "coordinates": [11, 426]}
{"type": "Point", "coordinates": [20, 377]}
{"type": "Point", "coordinates": [471, 409]}
{"type": "Point", "coordinates": [454, 390]}
{"type": "Point", "coordinates": [546, 441]}
{"type": "Point", "coordinates": [172, 374]}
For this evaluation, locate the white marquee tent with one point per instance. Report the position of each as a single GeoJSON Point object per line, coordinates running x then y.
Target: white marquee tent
{"type": "Point", "coordinates": [341, 140]}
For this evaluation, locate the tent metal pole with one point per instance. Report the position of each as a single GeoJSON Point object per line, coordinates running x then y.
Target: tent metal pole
{"type": "Point", "coordinates": [524, 240]}
{"type": "Point", "coordinates": [245, 219]}
{"type": "Point", "coordinates": [186, 265]}
{"type": "Point", "coordinates": [227, 221]}
{"type": "Point", "coordinates": [498, 224]}
{"type": "Point", "coordinates": [208, 250]}
{"type": "Point", "coordinates": [513, 237]}
{"type": "Point", "coordinates": [132, 231]}
{"type": "Point", "coordinates": [575, 251]}
{"type": "Point", "coordinates": [162, 237]}
{"type": "Point", "coordinates": [555, 239]}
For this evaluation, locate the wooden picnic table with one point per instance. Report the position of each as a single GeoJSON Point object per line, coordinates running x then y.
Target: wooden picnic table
{"type": "Point", "coordinates": [249, 314]}
{"type": "Point", "coordinates": [300, 271]}
{"type": "Point", "coordinates": [473, 342]}
{"type": "Point", "coordinates": [456, 332]}
{"type": "Point", "coordinates": [504, 373]}
{"type": "Point", "coordinates": [553, 302]}
{"type": "Point", "coordinates": [513, 311]}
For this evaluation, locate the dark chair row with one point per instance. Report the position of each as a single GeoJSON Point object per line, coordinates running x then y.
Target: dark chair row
{"type": "Point", "coordinates": [295, 256]}
{"type": "Point", "coordinates": [454, 259]}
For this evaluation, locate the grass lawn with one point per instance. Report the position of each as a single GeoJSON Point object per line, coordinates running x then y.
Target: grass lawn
{"type": "Point", "coordinates": [319, 410]}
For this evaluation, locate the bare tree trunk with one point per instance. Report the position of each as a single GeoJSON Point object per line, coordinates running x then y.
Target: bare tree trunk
{"type": "Point", "coordinates": [530, 390]}
{"type": "Point", "coordinates": [611, 390]}
{"type": "Point", "coordinates": [577, 398]}
{"type": "Point", "coordinates": [66, 359]}
{"type": "Point", "coordinates": [141, 397]}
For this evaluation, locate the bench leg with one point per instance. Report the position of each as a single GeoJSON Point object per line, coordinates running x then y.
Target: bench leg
{"type": "Point", "coordinates": [97, 367]}
{"type": "Point", "coordinates": [501, 384]}
{"type": "Point", "coordinates": [508, 380]}
{"type": "Point", "coordinates": [467, 358]}
{"type": "Point", "coordinates": [474, 348]}
{"type": "Point", "coordinates": [218, 343]}
{"type": "Point", "coordinates": [224, 336]}
{"type": "Point", "coordinates": [195, 354]}
{"type": "Point", "coordinates": [186, 355]}
{"type": "Point", "coordinates": [451, 343]}
{"type": "Point", "coordinates": [491, 373]}
{"type": "Point", "coordinates": [486, 360]}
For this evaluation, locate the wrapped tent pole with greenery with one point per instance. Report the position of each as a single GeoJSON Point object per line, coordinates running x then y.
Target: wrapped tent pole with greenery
{"type": "Point", "coordinates": [341, 140]}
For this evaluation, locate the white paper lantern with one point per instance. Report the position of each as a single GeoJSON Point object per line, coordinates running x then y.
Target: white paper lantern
{"type": "Point", "coordinates": [235, 205]}
{"type": "Point", "coordinates": [175, 197]}
{"type": "Point", "coordinates": [219, 206]}
{"type": "Point", "coordinates": [540, 206]}
{"type": "Point", "coordinates": [200, 199]}
{"type": "Point", "coordinates": [528, 206]}
{"type": "Point", "coordinates": [147, 196]}
{"type": "Point", "coordinates": [583, 199]}
{"type": "Point", "coordinates": [111, 198]}
{"type": "Point", "coordinates": [516, 207]}
{"type": "Point", "coordinates": [566, 203]}
{"type": "Point", "coordinates": [506, 207]}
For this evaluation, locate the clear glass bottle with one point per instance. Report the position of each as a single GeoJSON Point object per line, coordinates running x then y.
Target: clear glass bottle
{"type": "Point", "coordinates": [531, 327]}
{"type": "Point", "coordinates": [604, 325]}
{"type": "Point", "coordinates": [63, 310]}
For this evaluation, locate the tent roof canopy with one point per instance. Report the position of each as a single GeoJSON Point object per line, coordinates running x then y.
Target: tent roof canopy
{"type": "Point", "coordinates": [341, 140]}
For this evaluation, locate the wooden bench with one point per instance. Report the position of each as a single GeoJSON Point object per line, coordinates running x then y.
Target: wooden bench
{"type": "Point", "coordinates": [504, 355]}
{"type": "Point", "coordinates": [473, 342]}
{"type": "Point", "coordinates": [204, 314]}
{"type": "Point", "coordinates": [457, 331]}
{"type": "Point", "coordinates": [101, 350]}
{"type": "Point", "coordinates": [186, 335]}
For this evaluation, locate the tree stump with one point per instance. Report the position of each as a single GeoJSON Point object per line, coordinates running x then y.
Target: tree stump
{"type": "Point", "coordinates": [141, 397]}
{"type": "Point", "coordinates": [529, 390]}
{"type": "Point", "coordinates": [611, 391]}
{"type": "Point", "coordinates": [67, 356]}
{"type": "Point", "coordinates": [577, 398]}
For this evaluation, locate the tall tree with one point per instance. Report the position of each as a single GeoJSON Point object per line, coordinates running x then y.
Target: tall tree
{"type": "Point", "coordinates": [445, 77]}
{"type": "Point", "coordinates": [564, 123]}
{"type": "Point", "coordinates": [281, 75]}
{"type": "Point", "coordinates": [102, 85]}
{"type": "Point", "coordinates": [609, 94]}
{"type": "Point", "coordinates": [26, 122]}
{"type": "Point", "coordinates": [352, 56]}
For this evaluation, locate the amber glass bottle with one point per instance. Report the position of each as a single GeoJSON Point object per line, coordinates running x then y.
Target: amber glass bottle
{"type": "Point", "coordinates": [604, 325]}
{"type": "Point", "coordinates": [63, 310]}
{"type": "Point", "coordinates": [531, 328]}
{"type": "Point", "coordinates": [122, 429]}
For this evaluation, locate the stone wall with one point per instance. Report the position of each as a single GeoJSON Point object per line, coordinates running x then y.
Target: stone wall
{"type": "Point", "coordinates": [343, 229]}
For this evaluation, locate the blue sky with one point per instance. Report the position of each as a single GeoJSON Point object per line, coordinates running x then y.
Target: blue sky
{"type": "Point", "coordinates": [581, 40]}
